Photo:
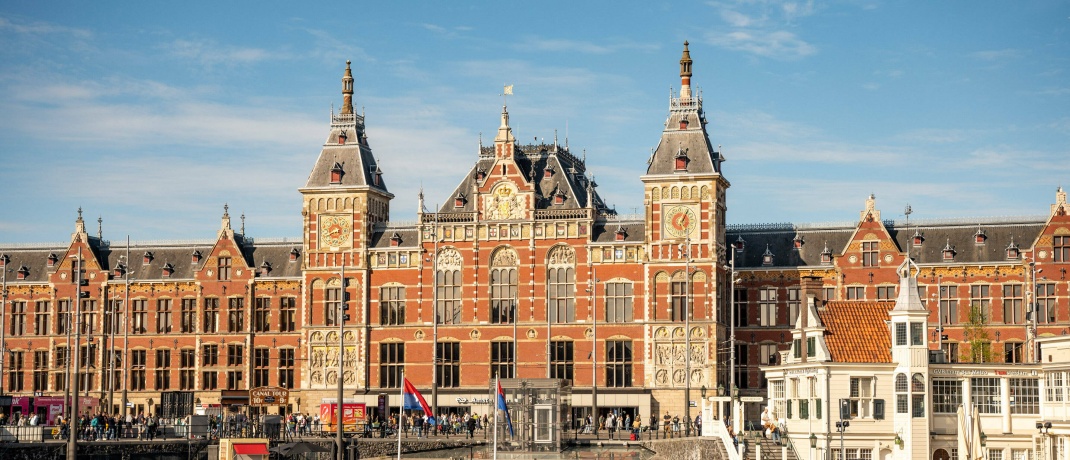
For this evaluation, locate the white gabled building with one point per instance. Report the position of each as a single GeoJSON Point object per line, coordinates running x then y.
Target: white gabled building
{"type": "Point", "coordinates": [873, 365]}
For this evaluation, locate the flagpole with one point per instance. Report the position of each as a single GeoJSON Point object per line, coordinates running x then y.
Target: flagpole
{"type": "Point", "coordinates": [401, 408]}
{"type": "Point", "coordinates": [497, 384]}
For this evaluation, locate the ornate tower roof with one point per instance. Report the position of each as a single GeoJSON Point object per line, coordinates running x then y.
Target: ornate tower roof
{"type": "Point", "coordinates": [685, 145]}
{"type": "Point", "coordinates": [346, 159]}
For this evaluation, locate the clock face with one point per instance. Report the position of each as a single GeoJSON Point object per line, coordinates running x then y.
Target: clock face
{"type": "Point", "coordinates": [335, 231]}
{"type": "Point", "coordinates": [680, 221]}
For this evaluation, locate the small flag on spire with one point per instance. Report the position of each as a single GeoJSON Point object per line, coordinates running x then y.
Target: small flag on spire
{"type": "Point", "coordinates": [509, 90]}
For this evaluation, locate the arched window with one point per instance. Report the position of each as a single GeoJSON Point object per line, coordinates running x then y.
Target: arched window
{"type": "Point", "coordinates": [448, 279]}
{"type": "Point", "coordinates": [561, 285]}
{"type": "Point", "coordinates": [332, 300]}
{"type": "Point", "coordinates": [918, 396]}
{"type": "Point", "coordinates": [503, 286]}
{"type": "Point", "coordinates": [902, 397]}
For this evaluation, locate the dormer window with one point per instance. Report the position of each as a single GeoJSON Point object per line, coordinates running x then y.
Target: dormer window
{"type": "Point", "coordinates": [342, 137]}
{"type": "Point", "coordinates": [979, 237]}
{"type": "Point", "coordinates": [949, 251]}
{"type": "Point", "coordinates": [683, 123]}
{"type": "Point", "coordinates": [739, 244]}
{"type": "Point", "coordinates": [918, 238]}
{"type": "Point", "coordinates": [559, 198]}
{"type": "Point", "coordinates": [52, 259]}
{"type": "Point", "coordinates": [459, 201]}
{"type": "Point", "coordinates": [147, 257]}
{"type": "Point", "coordinates": [168, 270]}
{"type": "Point", "coordinates": [4, 259]}
{"type": "Point", "coordinates": [195, 257]}
{"type": "Point", "coordinates": [395, 240]}
{"type": "Point", "coordinates": [826, 255]}
{"type": "Point", "coordinates": [22, 273]}
{"type": "Point", "coordinates": [767, 257]}
{"type": "Point", "coordinates": [377, 175]}
{"type": "Point", "coordinates": [119, 270]}
{"type": "Point", "coordinates": [548, 172]}
{"type": "Point", "coordinates": [294, 255]}
{"type": "Point", "coordinates": [1012, 251]}
{"type": "Point", "coordinates": [337, 173]}
{"type": "Point", "coordinates": [264, 268]}
{"type": "Point", "coordinates": [682, 160]}
{"type": "Point", "coordinates": [481, 174]}
{"type": "Point", "coordinates": [621, 233]}
{"type": "Point", "coordinates": [797, 243]}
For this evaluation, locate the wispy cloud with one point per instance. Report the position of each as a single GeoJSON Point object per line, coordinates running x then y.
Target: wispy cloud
{"type": "Point", "coordinates": [209, 53]}
{"type": "Point", "coordinates": [532, 43]}
{"type": "Point", "coordinates": [42, 28]}
{"type": "Point", "coordinates": [998, 55]}
{"type": "Point", "coordinates": [761, 28]}
{"type": "Point", "coordinates": [773, 44]}
{"type": "Point", "coordinates": [446, 32]}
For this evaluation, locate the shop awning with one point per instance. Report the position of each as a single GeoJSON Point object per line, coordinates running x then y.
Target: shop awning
{"type": "Point", "coordinates": [251, 449]}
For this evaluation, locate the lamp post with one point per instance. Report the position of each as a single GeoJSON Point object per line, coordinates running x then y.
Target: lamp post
{"type": "Point", "coordinates": [1031, 328]}
{"type": "Point", "coordinates": [72, 420]}
{"type": "Point", "coordinates": [4, 259]}
{"type": "Point", "coordinates": [126, 322]}
{"type": "Point", "coordinates": [340, 409]}
{"type": "Point", "coordinates": [813, 446]}
{"type": "Point", "coordinates": [841, 427]}
{"type": "Point", "coordinates": [685, 252]}
{"type": "Point", "coordinates": [732, 336]}
{"type": "Point", "coordinates": [434, 323]}
{"type": "Point", "coordinates": [594, 350]}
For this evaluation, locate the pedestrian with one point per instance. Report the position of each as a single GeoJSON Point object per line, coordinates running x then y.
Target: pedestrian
{"type": "Point", "coordinates": [698, 424]}
{"type": "Point", "coordinates": [667, 421]}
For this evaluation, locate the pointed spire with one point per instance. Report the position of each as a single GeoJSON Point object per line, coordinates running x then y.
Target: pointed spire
{"type": "Point", "coordinates": [685, 74]}
{"type": "Point", "coordinates": [347, 91]}
{"type": "Point", "coordinates": [226, 217]}
{"type": "Point", "coordinates": [79, 224]}
{"type": "Point", "coordinates": [505, 133]}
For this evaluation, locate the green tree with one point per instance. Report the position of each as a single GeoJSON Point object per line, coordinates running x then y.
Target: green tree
{"type": "Point", "coordinates": [975, 334]}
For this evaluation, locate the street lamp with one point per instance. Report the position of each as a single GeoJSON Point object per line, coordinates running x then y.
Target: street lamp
{"type": "Point", "coordinates": [72, 438]}
{"type": "Point", "coordinates": [841, 427]}
{"type": "Point", "coordinates": [685, 252]}
{"type": "Point", "coordinates": [813, 445]}
{"type": "Point", "coordinates": [594, 350]}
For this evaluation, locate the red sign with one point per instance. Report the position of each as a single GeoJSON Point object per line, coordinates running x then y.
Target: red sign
{"type": "Point", "coordinates": [352, 413]}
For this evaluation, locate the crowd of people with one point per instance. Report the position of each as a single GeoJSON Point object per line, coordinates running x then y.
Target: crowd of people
{"type": "Point", "coordinates": [618, 424]}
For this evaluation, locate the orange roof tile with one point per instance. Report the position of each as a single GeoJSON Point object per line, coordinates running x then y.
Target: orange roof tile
{"type": "Point", "coordinates": [856, 332]}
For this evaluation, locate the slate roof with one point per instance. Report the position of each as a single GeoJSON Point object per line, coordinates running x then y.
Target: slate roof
{"type": "Point", "coordinates": [381, 237]}
{"type": "Point", "coordinates": [855, 332]}
{"type": "Point", "coordinates": [569, 177]}
{"type": "Point", "coordinates": [355, 157]}
{"type": "Point", "coordinates": [780, 239]}
{"type": "Point", "coordinates": [606, 231]}
{"type": "Point", "coordinates": [179, 255]}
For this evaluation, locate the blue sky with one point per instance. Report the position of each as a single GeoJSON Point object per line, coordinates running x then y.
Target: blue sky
{"type": "Point", "coordinates": [152, 115]}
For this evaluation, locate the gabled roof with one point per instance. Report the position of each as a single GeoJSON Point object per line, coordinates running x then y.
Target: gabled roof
{"type": "Point", "coordinates": [857, 332]}
{"type": "Point", "coordinates": [568, 178]}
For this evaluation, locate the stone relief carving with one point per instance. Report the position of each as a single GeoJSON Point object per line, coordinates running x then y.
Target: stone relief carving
{"type": "Point", "coordinates": [562, 255]}
{"type": "Point", "coordinates": [677, 376]}
{"type": "Point", "coordinates": [317, 377]}
{"type": "Point", "coordinates": [449, 259]}
{"type": "Point", "coordinates": [504, 257]}
{"type": "Point", "coordinates": [661, 377]}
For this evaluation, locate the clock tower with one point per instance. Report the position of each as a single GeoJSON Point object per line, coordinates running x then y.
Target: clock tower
{"type": "Point", "coordinates": [684, 204]}
{"type": "Point", "coordinates": [344, 197]}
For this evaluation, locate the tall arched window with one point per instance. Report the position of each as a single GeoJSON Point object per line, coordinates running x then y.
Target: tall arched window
{"type": "Point", "coordinates": [503, 286]}
{"type": "Point", "coordinates": [448, 279]}
{"type": "Point", "coordinates": [332, 300]}
{"type": "Point", "coordinates": [561, 285]}
{"type": "Point", "coordinates": [902, 397]}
